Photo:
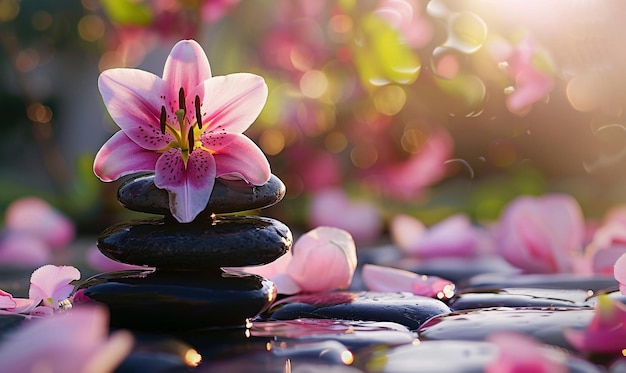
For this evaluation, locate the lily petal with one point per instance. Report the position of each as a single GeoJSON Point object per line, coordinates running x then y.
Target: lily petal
{"type": "Point", "coordinates": [619, 272]}
{"type": "Point", "coordinates": [51, 284]}
{"type": "Point", "coordinates": [186, 67]}
{"type": "Point", "coordinates": [134, 98]}
{"type": "Point", "coordinates": [189, 189]}
{"type": "Point", "coordinates": [242, 159]}
{"type": "Point", "coordinates": [521, 353]}
{"type": "Point", "coordinates": [231, 102]}
{"type": "Point", "coordinates": [6, 300]}
{"type": "Point", "coordinates": [120, 156]}
{"type": "Point", "coordinates": [323, 259]}
{"type": "Point", "coordinates": [386, 279]}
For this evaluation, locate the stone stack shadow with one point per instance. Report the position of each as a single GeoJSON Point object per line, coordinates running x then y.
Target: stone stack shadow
{"type": "Point", "coordinates": [187, 287]}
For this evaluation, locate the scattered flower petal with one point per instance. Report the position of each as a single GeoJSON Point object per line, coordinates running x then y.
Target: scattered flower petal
{"type": "Point", "coordinates": [321, 259]}
{"type": "Point", "coordinates": [23, 249]}
{"type": "Point", "coordinates": [6, 300]}
{"type": "Point", "coordinates": [72, 343]}
{"type": "Point", "coordinates": [606, 333]}
{"type": "Point", "coordinates": [541, 234]}
{"type": "Point", "coordinates": [520, 353]}
{"type": "Point", "coordinates": [386, 279]}
{"type": "Point", "coordinates": [51, 284]}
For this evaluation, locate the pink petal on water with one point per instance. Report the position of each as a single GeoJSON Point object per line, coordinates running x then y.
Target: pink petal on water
{"type": "Point", "coordinates": [386, 279]}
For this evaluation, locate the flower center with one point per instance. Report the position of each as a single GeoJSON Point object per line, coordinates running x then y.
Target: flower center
{"type": "Point", "coordinates": [186, 138]}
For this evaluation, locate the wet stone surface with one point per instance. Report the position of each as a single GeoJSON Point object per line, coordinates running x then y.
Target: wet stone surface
{"type": "Point", "coordinates": [544, 324]}
{"type": "Point", "coordinates": [552, 281]}
{"type": "Point", "coordinates": [519, 297]}
{"type": "Point", "coordinates": [230, 241]}
{"type": "Point", "coordinates": [165, 300]}
{"type": "Point", "coordinates": [401, 308]}
{"type": "Point", "coordinates": [140, 194]}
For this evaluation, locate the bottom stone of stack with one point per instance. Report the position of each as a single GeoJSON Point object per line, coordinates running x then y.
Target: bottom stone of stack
{"type": "Point", "coordinates": [158, 300]}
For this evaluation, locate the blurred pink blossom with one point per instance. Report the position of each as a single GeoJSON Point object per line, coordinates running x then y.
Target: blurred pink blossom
{"type": "Point", "coordinates": [608, 243]}
{"type": "Point", "coordinates": [332, 207]}
{"type": "Point", "coordinates": [386, 279]}
{"type": "Point", "coordinates": [406, 17]}
{"type": "Point", "coordinates": [37, 217]}
{"type": "Point", "coordinates": [531, 84]}
{"type": "Point", "coordinates": [606, 333]}
{"type": "Point", "coordinates": [619, 272]}
{"type": "Point", "coordinates": [77, 341]}
{"type": "Point", "coordinates": [408, 179]}
{"type": "Point", "coordinates": [214, 10]}
{"type": "Point", "coordinates": [322, 259]}
{"type": "Point", "coordinates": [541, 234]}
{"type": "Point", "coordinates": [454, 236]}
{"type": "Point", "coordinates": [520, 353]}
{"type": "Point", "coordinates": [23, 249]}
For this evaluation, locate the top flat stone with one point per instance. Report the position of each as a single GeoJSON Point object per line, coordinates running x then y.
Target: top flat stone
{"type": "Point", "coordinates": [140, 194]}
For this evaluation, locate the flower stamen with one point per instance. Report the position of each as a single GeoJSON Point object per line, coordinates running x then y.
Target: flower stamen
{"type": "Point", "coordinates": [198, 113]}
{"type": "Point", "coordinates": [181, 100]}
{"type": "Point", "coordinates": [163, 119]}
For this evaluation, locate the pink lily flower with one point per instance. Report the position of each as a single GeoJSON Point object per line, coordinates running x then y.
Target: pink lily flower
{"type": "Point", "coordinates": [50, 284]}
{"type": "Point", "coordinates": [77, 341]}
{"type": "Point", "coordinates": [619, 271]}
{"type": "Point", "coordinates": [520, 353]}
{"type": "Point", "coordinates": [320, 260]}
{"type": "Point", "coordinates": [386, 279]}
{"type": "Point", "coordinates": [541, 234]}
{"type": "Point", "coordinates": [606, 333]}
{"type": "Point", "coordinates": [186, 127]}
{"type": "Point", "coordinates": [35, 216]}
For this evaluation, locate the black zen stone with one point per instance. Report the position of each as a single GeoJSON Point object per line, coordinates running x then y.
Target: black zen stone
{"type": "Point", "coordinates": [229, 241]}
{"type": "Point", "coordinates": [545, 324]}
{"type": "Point", "coordinates": [180, 300]}
{"type": "Point", "coordinates": [518, 297]}
{"type": "Point", "coordinates": [402, 308]}
{"type": "Point", "coordinates": [140, 194]}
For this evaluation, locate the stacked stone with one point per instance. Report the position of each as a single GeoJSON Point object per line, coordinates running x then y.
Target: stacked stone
{"type": "Point", "coordinates": [188, 289]}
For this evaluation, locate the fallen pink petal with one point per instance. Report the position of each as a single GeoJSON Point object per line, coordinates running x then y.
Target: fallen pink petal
{"type": "Point", "coordinates": [520, 353]}
{"type": "Point", "coordinates": [540, 234]}
{"type": "Point", "coordinates": [52, 284]}
{"type": "Point", "coordinates": [74, 342]}
{"type": "Point", "coordinates": [606, 332]}
{"type": "Point", "coordinates": [387, 279]}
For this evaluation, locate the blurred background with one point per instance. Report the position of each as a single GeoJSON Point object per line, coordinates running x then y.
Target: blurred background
{"type": "Point", "coordinates": [376, 107]}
